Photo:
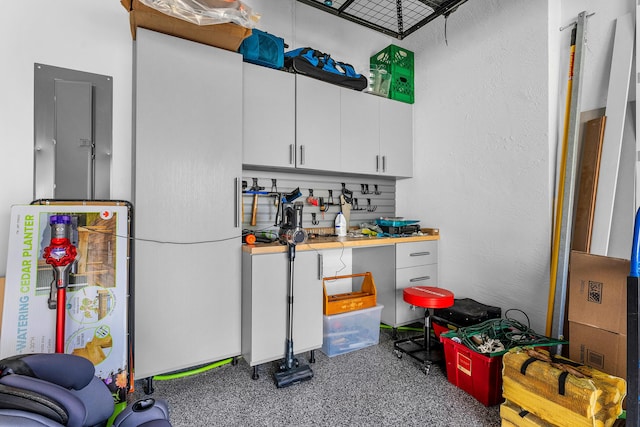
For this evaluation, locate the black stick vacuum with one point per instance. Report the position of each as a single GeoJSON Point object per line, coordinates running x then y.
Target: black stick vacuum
{"type": "Point", "coordinates": [291, 233]}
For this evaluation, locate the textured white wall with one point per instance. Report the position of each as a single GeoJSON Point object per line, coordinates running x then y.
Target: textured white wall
{"type": "Point", "coordinates": [87, 36]}
{"type": "Point", "coordinates": [482, 152]}
{"type": "Point", "coordinates": [486, 132]}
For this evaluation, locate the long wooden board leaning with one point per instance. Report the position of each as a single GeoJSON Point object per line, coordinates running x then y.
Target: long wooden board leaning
{"type": "Point", "coordinates": [96, 325]}
{"type": "Point", "coordinates": [560, 391]}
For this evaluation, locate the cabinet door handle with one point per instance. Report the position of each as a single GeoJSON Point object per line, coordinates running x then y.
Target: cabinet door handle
{"type": "Point", "coordinates": [377, 163]}
{"type": "Point", "coordinates": [320, 267]}
{"type": "Point", "coordinates": [237, 201]}
{"type": "Point", "coordinates": [292, 154]}
{"type": "Point", "coordinates": [419, 279]}
{"type": "Point", "coordinates": [302, 154]}
{"type": "Point", "coordinates": [420, 253]}
{"type": "Point", "coordinates": [384, 163]}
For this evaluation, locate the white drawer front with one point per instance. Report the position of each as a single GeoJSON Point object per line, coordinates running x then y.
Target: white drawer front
{"type": "Point", "coordinates": [424, 275]}
{"type": "Point", "coordinates": [416, 253]}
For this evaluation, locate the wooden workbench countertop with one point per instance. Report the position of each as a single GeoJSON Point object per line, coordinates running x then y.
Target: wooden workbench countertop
{"type": "Point", "coordinates": [320, 243]}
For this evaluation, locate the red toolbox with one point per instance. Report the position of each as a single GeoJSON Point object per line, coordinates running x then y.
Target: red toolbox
{"type": "Point", "coordinates": [475, 373]}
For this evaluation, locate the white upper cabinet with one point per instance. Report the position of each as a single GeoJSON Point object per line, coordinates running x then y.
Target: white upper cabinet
{"type": "Point", "coordinates": [294, 121]}
{"type": "Point", "coordinates": [268, 108]}
{"type": "Point", "coordinates": [396, 138]}
{"type": "Point", "coordinates": [317, 124]}
{"type": "Point", "coordinates": [360, 134]}
{"type": "Point", "coordinates": [376, 135]}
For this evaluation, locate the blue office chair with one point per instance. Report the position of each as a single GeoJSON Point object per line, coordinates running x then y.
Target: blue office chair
{"type": "Point", "coordinates": [53, 390]}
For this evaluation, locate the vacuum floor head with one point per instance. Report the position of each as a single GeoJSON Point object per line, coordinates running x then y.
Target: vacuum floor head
{"type": "Point", "coordinates": [292, 376]}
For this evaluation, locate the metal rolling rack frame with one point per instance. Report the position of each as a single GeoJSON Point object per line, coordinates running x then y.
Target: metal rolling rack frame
{"type": "Point", "coordinates": [397, 19]}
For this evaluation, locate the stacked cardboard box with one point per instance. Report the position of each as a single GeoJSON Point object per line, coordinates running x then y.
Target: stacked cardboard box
{"type": "Point", "coordinates": [598, 312]}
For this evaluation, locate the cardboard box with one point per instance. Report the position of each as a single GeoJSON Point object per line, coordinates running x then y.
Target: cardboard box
{"type": "Point", "coordinates": [598, 291]}
{"type": "Point", "coordinates": [226, 36]}
{"type": "Point", "coordinates": [603, 350]}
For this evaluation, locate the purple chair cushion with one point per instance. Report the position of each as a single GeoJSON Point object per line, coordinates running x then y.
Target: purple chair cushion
{"type": "Point", "coordinates": [66, 370]}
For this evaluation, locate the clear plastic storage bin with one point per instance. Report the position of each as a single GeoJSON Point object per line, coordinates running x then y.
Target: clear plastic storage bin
{"type": "Point", "coordinates": [351, 331]}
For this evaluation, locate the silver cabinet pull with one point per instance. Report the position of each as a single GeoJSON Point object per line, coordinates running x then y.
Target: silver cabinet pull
{"type": "Point", "coordinates": [302, 154]}
{"type": "Point", "coordinates": [237, 201]}
{"type": "Point", "coordinates": [419, 279]}
{"type": "Point", "coordinates": [420, 253]}
{"type": "Point", "coordinates": [292, 153]}
{"type": "Point", "coordinates": [377, 163]}
{"type": "Point", "coordinates": [320, 273]}
{"type": "Point", "coordinates": [384, 163]}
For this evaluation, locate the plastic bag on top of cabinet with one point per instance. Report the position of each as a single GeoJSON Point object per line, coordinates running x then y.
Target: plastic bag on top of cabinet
{"type": "Point", "coordinates": [207, 12]}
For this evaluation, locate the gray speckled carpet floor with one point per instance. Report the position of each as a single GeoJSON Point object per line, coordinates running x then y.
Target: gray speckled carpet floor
{"type": "Point", "coordinates": [370, 386]}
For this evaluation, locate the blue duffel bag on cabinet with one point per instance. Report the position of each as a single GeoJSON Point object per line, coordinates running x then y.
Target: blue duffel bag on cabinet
{"type": "Point", "coordinates": [318, 65]}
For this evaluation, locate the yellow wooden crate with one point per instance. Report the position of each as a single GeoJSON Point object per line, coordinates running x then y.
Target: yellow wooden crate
{"type": "Point", "coordinates": [350, 301]}
{"type": "Point", "coordinates": [514, 415]}
{"type": "Point", "coordinates": [589, 398]}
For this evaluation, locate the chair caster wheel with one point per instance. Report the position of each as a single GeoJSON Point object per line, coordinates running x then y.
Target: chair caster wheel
{"type": "Point", "coordinates": [425, 369]}
{"type": "Point", "coordinates": [398, 354]}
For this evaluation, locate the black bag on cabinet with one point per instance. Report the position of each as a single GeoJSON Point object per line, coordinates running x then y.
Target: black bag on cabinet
{"type": "Point", "coordinates": [321, 66]}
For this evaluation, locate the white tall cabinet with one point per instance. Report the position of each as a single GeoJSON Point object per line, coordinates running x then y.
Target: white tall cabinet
{"type": "Point", "coordinates": [186, 172]}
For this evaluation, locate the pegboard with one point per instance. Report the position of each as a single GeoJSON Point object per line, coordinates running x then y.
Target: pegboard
{"type": "Point", "coordinates": [379, 202]}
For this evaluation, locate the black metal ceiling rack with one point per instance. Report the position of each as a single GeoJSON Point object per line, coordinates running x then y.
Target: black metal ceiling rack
{"type": "Point", "coordinates": [397, 18]}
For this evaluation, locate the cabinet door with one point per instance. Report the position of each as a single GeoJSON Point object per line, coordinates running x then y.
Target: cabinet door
{"type": "Point", "coordinates": [268, 117]}
{"type": "Point", "coordinates": [187, 153]}
{"type": "Point", "coordinates": [317, 124]}
{"type": "Point", "coordinates": [396, 138]}
{"type": "Point", "coordinates": [359, 131]}
{"type": "Point", "coordinates": [307, 306]}
{"type": "Point", "coordinates": [265, 298]}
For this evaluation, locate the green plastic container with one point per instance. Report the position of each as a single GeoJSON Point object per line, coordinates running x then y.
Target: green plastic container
{"type": "Point", "coordinates": [401, 88]}
{"type": "Point", "coordinates": [393, 58]}
{"type": "Point", "coordinates": [396, 62]}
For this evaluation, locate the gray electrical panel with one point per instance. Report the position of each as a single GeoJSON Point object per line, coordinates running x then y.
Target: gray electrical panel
{"type": "Point", "coordinates": [72, 134]}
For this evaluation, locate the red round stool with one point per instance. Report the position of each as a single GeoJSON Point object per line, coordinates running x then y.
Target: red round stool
{"type": "Point", "coordinates": [420, 347]}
